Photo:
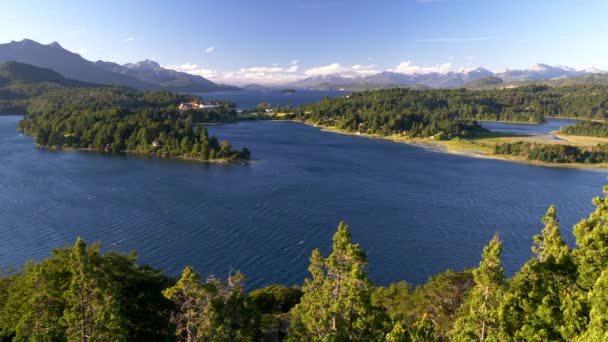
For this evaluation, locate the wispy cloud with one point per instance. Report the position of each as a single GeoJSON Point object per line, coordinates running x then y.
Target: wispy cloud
{"type": "Point", "coordinates": [263, 74]}
{"type": "Point", "coordinates": [273, 69]}
{"type": "Point", "coordinates": [408, 67]}
{"type": "Point", "coordinates": [210, 49]}
{"type": "Point", "coordinates": [294, 62]}
{"type": "Point", "coordinates": [344, 70]}
{"type": "Point", "coordinates": [333, 68]}
{"type": "Point", "coordinates": [129, 39]}
{"type": "Point", "coordinates": [80, 30]}
{"type": "Point", "coordinates": [455, 39]}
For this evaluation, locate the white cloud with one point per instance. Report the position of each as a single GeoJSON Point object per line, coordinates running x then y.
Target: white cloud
{"type": "Point", "coordinates": [347, 71]}
{"type": "Point", "coordinates": [193, 69]}
{"type": "Point", "coordinates": [262, 69]}
{"type": "Point", "coordinates": [468, 57]}
{"type": "Point", "coordinates": [294, 62]}
{"type": "Point", "coordinates": [325, 70]}
{"type": "Point", "coordinates": [408, 67]}
{"type": "Point", "coordinates": [80, 30]}
{"type": "Point", "coordinates": [129, 39]}
{"type": "Point", "coordinates": [257, 74]}
{"type": "Point", "coordinates": [210, 49]}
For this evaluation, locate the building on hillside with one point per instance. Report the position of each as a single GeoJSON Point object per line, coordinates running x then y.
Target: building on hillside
{"type": "Point", "coordinates": [200, 104]}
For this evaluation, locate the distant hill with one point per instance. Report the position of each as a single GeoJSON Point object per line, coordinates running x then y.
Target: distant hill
{"type": "Point", "coordinates": [541, 71]}
{"type": "Point", "coordinates": [151, 72]}
{"type": "Point", "coordinates": [452, 79]}
{"type": "Point", "coordinates": [146, 75]}
{"type": "Point", "coordinates": [485, 82]}
{"type": "Point", "coordinates": [390, 79]}
{"type": "Point", "coordinates": [14, 72]}
{"type": "Point", "coordinates": [19, 82]}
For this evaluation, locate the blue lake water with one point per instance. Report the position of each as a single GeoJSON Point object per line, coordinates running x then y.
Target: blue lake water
{"type": "Point", "coordinates": [247, 99]}
{"type": "Point", "coordinates": [524, 129]}
{"type": "Point", "coordinates": [415, 212]}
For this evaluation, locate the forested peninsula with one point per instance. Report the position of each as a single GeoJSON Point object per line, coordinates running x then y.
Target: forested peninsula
{"type": "Point", "coordinates": [74, 115]}
{"type": "Point", "coordinates": [81, 294]}
{"type": "Point", "coordinates": [450, 119]}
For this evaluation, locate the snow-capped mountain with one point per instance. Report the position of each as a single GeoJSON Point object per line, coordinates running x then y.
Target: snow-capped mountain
{"type": "Point", "coordinates": [449, 79]}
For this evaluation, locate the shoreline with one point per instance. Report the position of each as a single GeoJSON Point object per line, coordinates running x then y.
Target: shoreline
{"type": "Point", "coordinates": [468, 148]}
{"type": "Point", "coordinates": [128, 153]}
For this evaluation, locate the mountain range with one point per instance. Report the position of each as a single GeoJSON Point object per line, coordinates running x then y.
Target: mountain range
{"type": "Point", "coordinates": [452, 79]}
{"type": "Point", "coordinates": [149, 75]}
{"type": "Point", "coordinates": [145, 75]}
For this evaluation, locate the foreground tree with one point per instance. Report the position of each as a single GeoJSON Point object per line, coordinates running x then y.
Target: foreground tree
{"type": "Point", "coordinates": [598, 298]}
{"type": "Point", "coordinates": [212, 311]}
{"type": "Point", "coordinates": [92, 312]}
{"type": "Point", "coordinates": [336, 304]}
{"type": "Point", "coordinates": [479, 317]}
{"type": "Point", "coordinates": [193, 310]}
{"type": "Point", "coordinates": [592, 242]}
{"type": "Point", "coordinates": [541, 303]}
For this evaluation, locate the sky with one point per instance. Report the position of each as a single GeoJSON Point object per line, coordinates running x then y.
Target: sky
{"type": "Point", "coordinates": [276, 41]}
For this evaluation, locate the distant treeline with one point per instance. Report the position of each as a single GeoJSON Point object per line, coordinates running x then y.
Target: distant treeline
{"type": "Point", "coordinates": [554, 153]}
{"type": "Point", "coordinates": [587, 128]}
{"type": "Point", "coordinates": [454, 112]}
{"type": "Point", "coordinates": [79, 294]}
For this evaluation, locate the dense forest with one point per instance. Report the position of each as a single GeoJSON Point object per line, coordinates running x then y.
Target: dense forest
{"type": "Point", "coordinates": [62, 113]}
{"type": "Point", "coordinates": [80, 294]}
{"type": "Point", "coordinates": [453, 112]}
{"type": "Point", "coordinates": [124, 120]}
{"type": "Point", "coordinates": [554, 153]}
{"type": "Point", "coordinates": [587, 128]}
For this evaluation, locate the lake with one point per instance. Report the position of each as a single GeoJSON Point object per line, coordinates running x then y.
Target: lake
{"type": "Point", "coordinates": [525, 129]}
{"type": "Point", "coordinates": [415, 212]}
{"type": "Point", "coordinates": [248, 99]}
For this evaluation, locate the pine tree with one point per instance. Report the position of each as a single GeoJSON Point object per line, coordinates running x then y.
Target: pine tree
{"type": "Point", "coordinates": [597, 330]}
{"type": "Point", "coordinates": [398, 334]}
{"type": "Point", "coordinates": [192, 306]}
{"type": "Point", "coordinates": [336, 304]}
{"type": "Point", "coordinates": [539, 302]}
{"type": "Point", "coordinates": [423, 330]}
{"type": "Point", "coordinates": [92, 313]}
{"type": "Point", "coordinates": [592, 241]}
{"type": "Point", "coordinates": [479, 317]}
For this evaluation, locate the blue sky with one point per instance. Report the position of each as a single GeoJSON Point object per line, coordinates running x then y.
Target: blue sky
{"type": "Point", "coordinates": [278, 40]}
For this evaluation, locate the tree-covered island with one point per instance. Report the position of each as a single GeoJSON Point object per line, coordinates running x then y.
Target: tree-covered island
{"type": "Point", "coordinates": [67, 114]}
{"type": "Point", "coordinates": [81, 294]}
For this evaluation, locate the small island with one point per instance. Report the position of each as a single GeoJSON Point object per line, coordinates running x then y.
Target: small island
{"type": "Point", "coordinates": [288, 91]}
{"type": "Point", "coordinates": [65, 114]}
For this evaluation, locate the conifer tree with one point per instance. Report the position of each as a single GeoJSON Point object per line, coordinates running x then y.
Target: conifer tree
{"type": "Point", "coordinates": [398, 334]}
{"type": "Point", "coordinates": [192, 306]}
{"type": "Point", "coordinates": [539, 302]}
{"type": "Point", "coordinates": [423, 330]}
{"type": "Point", "coordinates": [597, 330]}
{"type": "Point", "coordinates": [479, 316]}
{"type": "Point", "coordinates": [592, 242]}
{"type": "Point", "coordinates": [336, 304]}
{"type": "Point", "coordinates": [92, 313]}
